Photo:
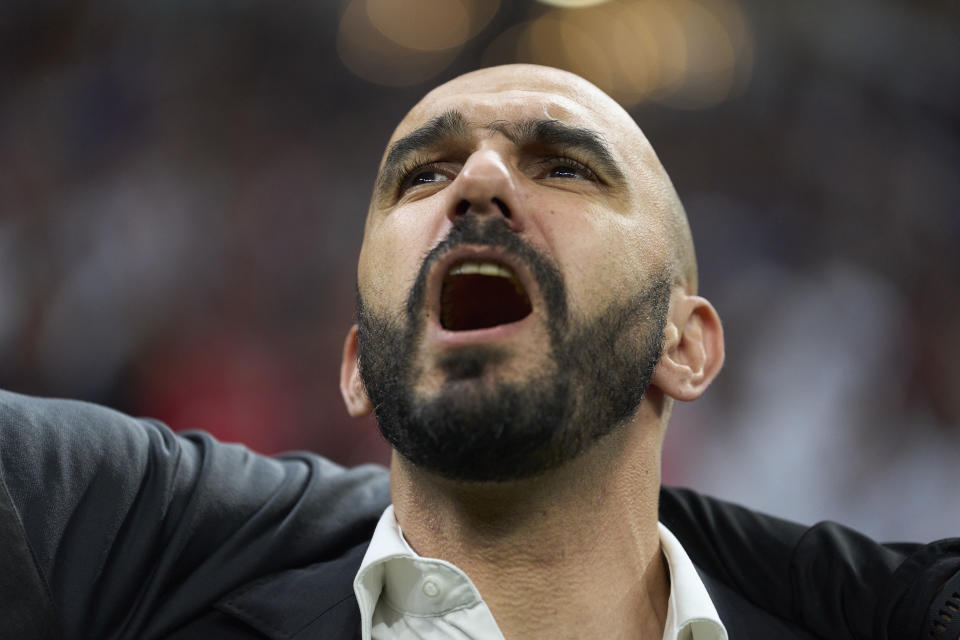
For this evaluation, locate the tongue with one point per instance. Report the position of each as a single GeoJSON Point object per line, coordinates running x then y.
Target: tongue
{"type": "Point", "coordinates": [477, 301]}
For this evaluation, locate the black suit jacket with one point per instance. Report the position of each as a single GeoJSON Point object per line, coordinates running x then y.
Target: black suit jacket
{"type": "Point", "coordinates": [112, 527]}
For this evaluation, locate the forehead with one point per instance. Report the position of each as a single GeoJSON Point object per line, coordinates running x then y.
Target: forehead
{"type": "Point", "coordinates": [512, 106]}
{"type": "Point", "coordinates": [485, 102]}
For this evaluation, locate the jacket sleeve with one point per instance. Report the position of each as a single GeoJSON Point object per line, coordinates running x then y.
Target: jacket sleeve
{"type": "Point", "coordinates": [832, 580]}
{"type": "Point", "coordinates": [130, 530]}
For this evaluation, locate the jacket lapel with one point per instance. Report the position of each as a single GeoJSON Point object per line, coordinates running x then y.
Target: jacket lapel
{"type": "Point", "coordinates": [315, 602]}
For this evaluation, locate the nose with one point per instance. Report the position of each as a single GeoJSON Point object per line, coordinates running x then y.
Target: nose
{"type": "Point", "coordinates": [486, 186]}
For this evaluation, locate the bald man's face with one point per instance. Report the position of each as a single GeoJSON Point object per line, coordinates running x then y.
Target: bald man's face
{"type": "Point", "coordinates": [514, 275]}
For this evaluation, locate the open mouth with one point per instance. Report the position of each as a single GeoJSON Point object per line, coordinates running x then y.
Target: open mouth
{"type": "Point", "coordinates": [481, 294]}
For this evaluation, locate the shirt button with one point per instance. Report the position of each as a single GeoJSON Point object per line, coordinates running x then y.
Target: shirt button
{"type": "Point", "coordinates": [431, 589]}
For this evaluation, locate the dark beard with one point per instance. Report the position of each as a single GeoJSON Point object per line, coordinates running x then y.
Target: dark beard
{"type": "Point", "coordinates": [478, 429]}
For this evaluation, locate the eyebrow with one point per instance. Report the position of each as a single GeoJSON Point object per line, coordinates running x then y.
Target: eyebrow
{"type": "Point", "coordinates": [452, 126]}
{"type": "Point", "coordinates": [561, 136]}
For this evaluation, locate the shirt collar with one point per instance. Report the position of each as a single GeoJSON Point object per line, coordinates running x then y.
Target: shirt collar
{"type": "Point", "coordinates": [690, 611]}
{"type": "Point", "coordinates": [423, 587]}
{"type": "Point", "coordinates": [386, 543]}
{"type": "Point", "coordinates": [691, 614]}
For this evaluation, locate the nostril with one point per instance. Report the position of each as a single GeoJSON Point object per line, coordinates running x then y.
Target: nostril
{"type": "Point", "coordinates": [504, 209]}
{"type": "Point", "coordinates": [464, 206]}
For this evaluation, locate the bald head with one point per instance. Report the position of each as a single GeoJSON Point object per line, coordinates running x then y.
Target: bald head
{"type": "Point", "coordinates": [568, 95]}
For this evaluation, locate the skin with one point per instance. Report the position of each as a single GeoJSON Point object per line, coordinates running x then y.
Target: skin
{"type": "Point", "coordinates": [572, 553]}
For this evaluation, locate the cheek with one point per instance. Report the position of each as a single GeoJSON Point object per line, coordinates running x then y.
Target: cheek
{"type": "Point", "coordinates": [393, 252]}
{"type": "Point", "coordinates": [603, 257]}
{"type": "Point", "coordinates": [646, 245]}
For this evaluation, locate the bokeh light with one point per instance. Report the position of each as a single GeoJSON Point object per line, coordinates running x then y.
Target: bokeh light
{"type": "Point", "coordinates": [424, 25]}
{"type": "Point", "coordinates": [430, 25]}
{"type": "Point", "coordinates": [572, 4]}
{"type": "Point", "coordinates": [368, 53]}
{"type": "Point", "coordinates": [711, 57]}
{"type": "Point", "coordinates": [405, 43]}
{"type": "Point", "coordinates": [687, 54]}
{"type": "Point", "coordinates": [557, 41]}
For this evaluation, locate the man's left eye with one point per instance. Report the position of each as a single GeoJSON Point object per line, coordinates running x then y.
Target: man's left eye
{"type": "Point", "coordinates": [566, 168]}
{"type": "Point", "coordinates": [564, 171]}
{"type": "Point", "coordinates": [425, 177]}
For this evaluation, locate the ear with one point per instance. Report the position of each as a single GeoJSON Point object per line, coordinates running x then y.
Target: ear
{"type": "Point", "coordinates": [692, 350]}
{"type": "Point", "coordinates": [351, 386]}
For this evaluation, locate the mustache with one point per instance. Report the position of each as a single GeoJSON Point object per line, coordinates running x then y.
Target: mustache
{"type": "Point", "coordinates": [495, 232]}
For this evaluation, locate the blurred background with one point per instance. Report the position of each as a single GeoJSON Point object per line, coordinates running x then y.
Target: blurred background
{"type": "Point", "coordinates": [183, 187]}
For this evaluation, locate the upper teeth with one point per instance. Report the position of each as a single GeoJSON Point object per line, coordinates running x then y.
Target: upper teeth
{"type": "Point", "coordinates": [483, 268]}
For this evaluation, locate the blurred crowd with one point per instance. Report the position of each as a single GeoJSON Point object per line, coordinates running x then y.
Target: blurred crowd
{"type": "Point", "coordinates": [183, 190]}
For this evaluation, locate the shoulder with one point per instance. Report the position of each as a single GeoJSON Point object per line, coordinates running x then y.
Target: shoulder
{"type": "Point", "coordinates": [743, 619]}
{"type": "Point", "coordinates": [69, 443]}
{"type": "Point", "coordinates": [114, 512]}
{"type": "Point", "coordinates": [832, 580]}
{"type": "Point", "coordinates": [59, 455]}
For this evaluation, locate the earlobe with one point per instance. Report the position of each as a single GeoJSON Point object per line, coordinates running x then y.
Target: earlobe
{"type": "Point", "coordinates": [693, 349]}
{"type": "Point", "coordinates": [351, 386]}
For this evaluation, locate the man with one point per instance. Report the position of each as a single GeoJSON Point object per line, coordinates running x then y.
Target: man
{"type": "Point", "coordinates": [527, 406]}
{"type": "Point", "coordinates": [527, 315]}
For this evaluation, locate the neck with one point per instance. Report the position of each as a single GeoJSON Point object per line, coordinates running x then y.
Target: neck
{"type": "Point", "coordinates": [573, 553]}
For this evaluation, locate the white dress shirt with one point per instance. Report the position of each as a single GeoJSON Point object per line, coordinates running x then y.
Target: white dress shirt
{"type": "Point", "coordinates": [403, 596]}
